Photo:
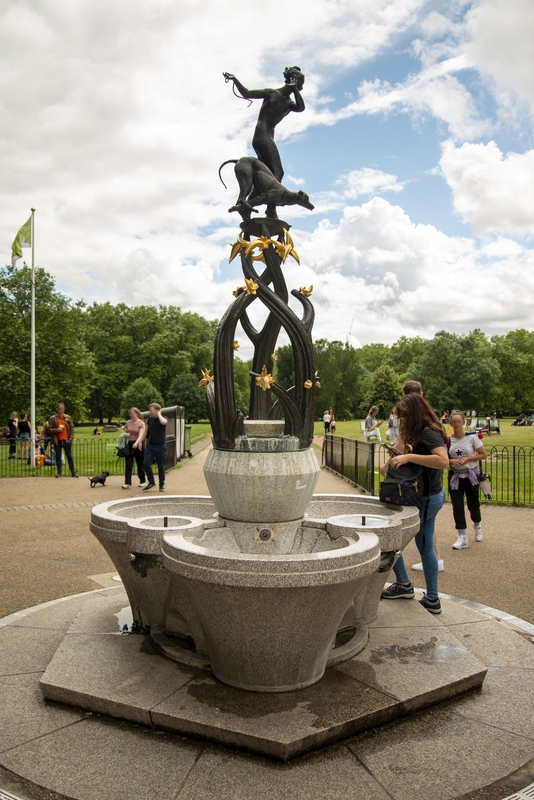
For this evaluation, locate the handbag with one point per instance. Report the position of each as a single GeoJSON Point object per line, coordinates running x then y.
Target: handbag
{"type": "Point", "coordinates": [123, 452]}
{"type": "Point", "coordinates": [407, 485]}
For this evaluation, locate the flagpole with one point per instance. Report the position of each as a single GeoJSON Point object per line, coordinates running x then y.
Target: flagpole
{"type": "Point", "coordinates": [32, 365]}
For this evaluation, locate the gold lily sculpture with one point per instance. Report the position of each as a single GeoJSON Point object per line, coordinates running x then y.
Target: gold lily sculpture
{"type": "Point", "coordinates": [283, 249]}
{"type": "Point", "coordinates": [264, 379]}
{"type": "Point", "coordinates": [250, 287]}
{"type": "Point", "coordinates": [306, 292]}
{"type": "Point", "coordinates": [206, 377]}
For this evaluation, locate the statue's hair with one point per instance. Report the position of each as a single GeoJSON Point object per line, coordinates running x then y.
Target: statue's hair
{"type": "Point", "coordinates": [291, 72]}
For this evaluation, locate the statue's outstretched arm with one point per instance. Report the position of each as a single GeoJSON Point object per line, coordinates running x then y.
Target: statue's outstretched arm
{"type": "Point", "coordinates": [248, 94]}
{"type": "Point", "coordinates": [298, 105]}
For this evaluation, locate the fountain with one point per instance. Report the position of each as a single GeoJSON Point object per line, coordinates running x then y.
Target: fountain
{"type": "Point", "coordinates": [262, 583]}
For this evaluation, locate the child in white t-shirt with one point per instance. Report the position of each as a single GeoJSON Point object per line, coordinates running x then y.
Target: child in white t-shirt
{"type": "Point", "coordinates": [465, 451]}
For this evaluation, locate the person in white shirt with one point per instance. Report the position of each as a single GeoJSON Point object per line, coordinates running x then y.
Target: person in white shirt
{"type": "Point", "coordinates": [326, 420]}
{"type": "Point", "coordinates": [465, 451]}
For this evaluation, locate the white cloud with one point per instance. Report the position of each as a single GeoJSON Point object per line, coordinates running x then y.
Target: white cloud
{"type": "Point", "coordinates": [500, 44]}
{"type": "Point", "coordinates": [115, 118]}
{"type": "Point", "coordinates": [397, 278]}
{"type": "Point", "coordinates": [493, 191]}
{"type": "Point", "coordinates": [366, 181]}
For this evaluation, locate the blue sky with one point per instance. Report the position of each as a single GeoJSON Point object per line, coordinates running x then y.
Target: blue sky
{"type": "Point", "coordinates": [415, 146]}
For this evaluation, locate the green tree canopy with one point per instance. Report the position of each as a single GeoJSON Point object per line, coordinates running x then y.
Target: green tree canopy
{"type": "Point", "coordinates": [514, 353]}
{"type": "Point", "coordinates": [140, 393]}
{"type": "Point", "coordinates": [186, 392]}
{"type": "Point", "coordinates": [458, 372]}
{"type": "Point", "coordinates": [383, 390]}
{"type": "Point", "coordinates": [64, 367]}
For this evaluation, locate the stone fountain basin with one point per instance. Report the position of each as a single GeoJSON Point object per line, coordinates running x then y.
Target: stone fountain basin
{"type": "Point", "coordinates": [318, 559]}
{"type": "Point", "coordinates": [269, 621]}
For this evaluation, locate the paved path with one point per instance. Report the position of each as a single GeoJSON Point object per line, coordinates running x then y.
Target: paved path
{"type": "Point", "coordinates": [47, 550]}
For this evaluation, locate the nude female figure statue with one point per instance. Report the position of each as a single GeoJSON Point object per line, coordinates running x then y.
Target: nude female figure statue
{"type": "Point", "coordinates": [277, 103]}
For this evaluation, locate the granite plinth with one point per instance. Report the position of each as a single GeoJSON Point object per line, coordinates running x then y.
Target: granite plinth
{"type": "Point", "coordinates": [265, 428]}
{"type": "Point", "coordinates": [261, 487]}
{"type": "Point", "coordinates": [120, 679]}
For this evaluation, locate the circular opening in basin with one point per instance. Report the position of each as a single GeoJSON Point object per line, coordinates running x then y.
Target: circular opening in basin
{"type": "Point", "coordinates": [165, 522]}
{"type": "Point", "coordinates": [362, 521]}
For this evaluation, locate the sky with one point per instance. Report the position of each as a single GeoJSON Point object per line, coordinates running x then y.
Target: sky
{"type": "Point", "coordinates": [416, 148]}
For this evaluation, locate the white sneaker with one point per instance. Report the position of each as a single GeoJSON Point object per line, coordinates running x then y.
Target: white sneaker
{"type": "Point", "coordinates": [419, 567]}
{"type": "Point", "coordinates": [142, 485]}
{"type": "Point", "coordinates": [478, 533]}
{"type": "Point", "coordinates": [126, 486]}
{"type": "Point", "coordinates": [460, 544]}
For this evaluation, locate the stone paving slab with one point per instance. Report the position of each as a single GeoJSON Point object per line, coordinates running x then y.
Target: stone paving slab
{"type": "Point", "coordinates": [440, 755]}
{"type": "Point", "coordinates": [451, 751]}
{"type": "Point", "coordinates": [403, 669]}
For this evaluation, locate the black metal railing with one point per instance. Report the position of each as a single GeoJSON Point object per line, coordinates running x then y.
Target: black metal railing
{"type": "Point", "coordinates": [509, 467]}
{"type": "Point", "coordinates": [92, 455]}
{"type": "Point", "coordinates": [353, 459]}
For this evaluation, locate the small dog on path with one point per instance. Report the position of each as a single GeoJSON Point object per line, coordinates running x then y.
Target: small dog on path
{"type": "Point", "coordinates": [98, 479]}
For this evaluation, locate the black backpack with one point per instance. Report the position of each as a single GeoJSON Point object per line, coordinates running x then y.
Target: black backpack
{"type": "Point", "coordinates": [407, 485]}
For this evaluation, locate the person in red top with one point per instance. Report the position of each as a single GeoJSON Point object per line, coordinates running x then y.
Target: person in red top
{"type": "Point", "coordinates": [61, 429]}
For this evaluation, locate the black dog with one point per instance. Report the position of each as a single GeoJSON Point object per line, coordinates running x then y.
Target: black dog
{"type": "Point", "coordinates": [98, 479]}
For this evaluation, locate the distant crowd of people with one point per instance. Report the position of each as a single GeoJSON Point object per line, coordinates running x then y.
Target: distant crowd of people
{"type": "Point", "coordinates": [144, 443]}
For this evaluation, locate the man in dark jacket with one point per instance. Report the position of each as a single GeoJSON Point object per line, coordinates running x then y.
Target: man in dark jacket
{"type": "Point", "coordinates": [61, 429]}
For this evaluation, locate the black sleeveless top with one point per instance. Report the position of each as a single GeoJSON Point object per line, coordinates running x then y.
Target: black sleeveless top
{"type": "Point", "coordinates": [24, 426]}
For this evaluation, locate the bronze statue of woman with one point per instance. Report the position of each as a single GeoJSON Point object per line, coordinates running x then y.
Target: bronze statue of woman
{"type": "Point", "coordinates": [277, 103]}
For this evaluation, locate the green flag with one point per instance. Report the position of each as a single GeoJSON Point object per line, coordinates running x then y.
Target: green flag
{"type": "Point", "coordinates": [22, 239]}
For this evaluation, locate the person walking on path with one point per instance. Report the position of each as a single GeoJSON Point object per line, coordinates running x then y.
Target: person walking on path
{"type": "Point", "coordinates": [133, 429]}
{"type": "Point", "coordinates": [13, 431]}
{"type": "Point", "coordinates": [24, 435]}
{"type": "Point", "coordinates": [61, 429]}
{"type": "Point", "coordinates": [393, 426]}
{"type": "Point", "coordinates": [156, 449]}
{"type": "Point", "coordinates": [327, 419]}
{"type": "Point", "coordinates": [421, 432]}
{"type": "Point", "coordinates": [465, 451]}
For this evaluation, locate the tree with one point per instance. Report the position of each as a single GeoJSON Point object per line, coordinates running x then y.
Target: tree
{"type": "Point", "coordinates": [63, 364]}
{"type": "Point", "coordinates": [458, 372]}
{"type": "Point", "coordinates": [140, 394]}
{"type": "Point", "coordinates": [341, 377]}
{"type": "Point", "coordinates": [372, 356]}
{"type": "Point", "coordinates": [514, 353]}
{"type": "Point", "coordinates": [186, 392]}
{"type": "Point", "coordinates": [405, 351]}
{"type": "Point", "coordinates": [242, 384]}
{"type": "Point", "coordinates": [383, 390]}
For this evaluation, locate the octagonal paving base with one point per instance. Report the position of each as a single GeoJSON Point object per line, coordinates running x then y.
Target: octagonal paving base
{"type": "Point", "coordinates": [411, 662]}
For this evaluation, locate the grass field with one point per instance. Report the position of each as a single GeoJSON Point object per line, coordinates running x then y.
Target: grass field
{"type": "Point", "coordinates": [509, 436]}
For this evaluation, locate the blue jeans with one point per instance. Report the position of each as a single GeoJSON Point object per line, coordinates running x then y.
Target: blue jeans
{"type": "Point", "coordinates": [157, 452]}
{"type": "Point", "coordinates": [66, 446]}
{"type": "Point", "coordinates": [425, 544]}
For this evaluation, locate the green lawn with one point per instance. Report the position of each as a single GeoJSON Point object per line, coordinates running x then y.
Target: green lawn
{"type": "Point", "coordinates": [509, 435]}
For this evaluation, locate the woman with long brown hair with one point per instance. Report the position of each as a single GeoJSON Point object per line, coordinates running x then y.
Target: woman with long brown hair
{"type": "Point", "coordinates": [425, 441]}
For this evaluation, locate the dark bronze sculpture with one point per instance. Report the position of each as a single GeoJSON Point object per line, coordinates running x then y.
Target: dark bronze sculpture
{"type": "Point", "coordinates": [259, 183]}
{"type": "Point", "coordinates": [260, 179]}
{"type": "Point", "coordinates": [258, 186]}
{"type": "Point", "coordinates": [277, 104]}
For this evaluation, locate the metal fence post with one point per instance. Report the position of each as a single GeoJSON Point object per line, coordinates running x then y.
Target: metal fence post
{"type": "Point", "coordinates": [342, 455]}
{"type": "Point", "coordinates": [373, 469]}
{"type": "Point", "coordinates": [513, 477]}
